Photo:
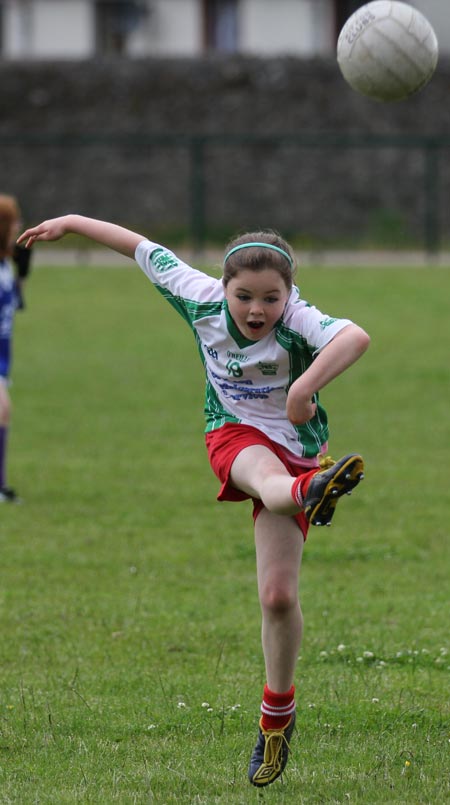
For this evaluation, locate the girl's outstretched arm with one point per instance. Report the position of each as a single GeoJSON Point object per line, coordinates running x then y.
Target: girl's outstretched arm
{"type": "Point", "coordinates": [115, 237]}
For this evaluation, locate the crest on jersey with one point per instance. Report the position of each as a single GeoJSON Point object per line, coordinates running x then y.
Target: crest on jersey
{"type": "Point", "coordinates": [163, 261]}
{"type": "Point", "coordinates": [326, 322]}
{"type": "Point", "coordinates": [268, 368]}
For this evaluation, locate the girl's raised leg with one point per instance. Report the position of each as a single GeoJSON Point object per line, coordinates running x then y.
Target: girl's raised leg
{"type": "Point", "coordinates": [258, 472]}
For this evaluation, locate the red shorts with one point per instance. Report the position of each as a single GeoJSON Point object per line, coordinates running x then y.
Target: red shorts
{"type": "Point", "coordinates": [225, 443]}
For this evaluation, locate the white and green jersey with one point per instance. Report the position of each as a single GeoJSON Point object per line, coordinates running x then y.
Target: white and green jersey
{"type": "Point", "coordinates": [246, 381]}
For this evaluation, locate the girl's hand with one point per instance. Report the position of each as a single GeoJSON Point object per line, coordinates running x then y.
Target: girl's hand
{"type": "Point", "coordinates": [54, 229]}
{"type": "Point", "coordinates": [343, 350]}
{"type": "Point", "coordinates": [298, 408]}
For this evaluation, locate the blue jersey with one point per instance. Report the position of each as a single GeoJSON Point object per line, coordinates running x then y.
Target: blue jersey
{"type": "Point", "coordinates": [8, 305]}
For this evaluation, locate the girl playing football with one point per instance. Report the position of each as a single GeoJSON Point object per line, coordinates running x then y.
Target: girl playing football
{"type": "Point", "coordinates": [266, 354]}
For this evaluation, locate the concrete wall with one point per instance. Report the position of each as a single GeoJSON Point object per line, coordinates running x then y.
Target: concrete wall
{"type": "Point", "coordinates": [73, 137]}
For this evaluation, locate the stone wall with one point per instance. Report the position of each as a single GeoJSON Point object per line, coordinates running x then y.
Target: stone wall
{"type": "Point", "coordinates": [115, 140]}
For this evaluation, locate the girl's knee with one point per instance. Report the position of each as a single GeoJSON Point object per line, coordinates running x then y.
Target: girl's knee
{"type": "Point", "coordinates": [5, 413]}
{"type": "Point", "coordinates": [279, 597]}
{"type": "Point", "coordinates": [5, 405]}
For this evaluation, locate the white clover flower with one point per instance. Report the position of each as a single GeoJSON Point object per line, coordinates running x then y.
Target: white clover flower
{"type": "Point", "coordinates": [359, 659]}
{"type": "Point", "coordinates": [368, 655]}
{"type": "Point", "coordinates": [375, 700]}
{"type": "Point", "coordinates": [205, 704]}
{"type": "Point", "coordinates": [181, 704]}
{"type": "Point", "coordinates": [323, 654]}
{"type": "Point", "coordinates": [341, 647]}
{"type": "Point", "coordinates": [151, 727]}
{"type": "Point", "coordinates": [209, 710]}
{"type": "Point", "coordinates": [311, 706]}
{"type": "Point", "coordinates": [443, 651]}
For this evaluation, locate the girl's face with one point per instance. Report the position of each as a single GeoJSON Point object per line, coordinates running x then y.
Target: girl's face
{"type": "Point", "coordinates": [256, 300]}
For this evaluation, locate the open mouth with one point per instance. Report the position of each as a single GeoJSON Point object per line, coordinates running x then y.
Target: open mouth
{"type": "Point", "coordinates": [255, 325]}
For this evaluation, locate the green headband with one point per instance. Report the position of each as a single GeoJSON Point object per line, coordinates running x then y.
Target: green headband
{"type": "Point", "coordinates": [263, 246]}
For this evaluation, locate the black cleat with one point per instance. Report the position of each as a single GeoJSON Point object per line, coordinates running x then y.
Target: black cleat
{"type": "Point", "coordinates": [8, 495]}
{"type": "Point", "coordinates": [270, 754]}
{"type": "Point", "coordinates": [327, 486]}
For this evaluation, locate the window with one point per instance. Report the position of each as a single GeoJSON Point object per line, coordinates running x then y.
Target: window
{"type": "Point", "coordinates": [221, 25]}
{"type": "Point", "coordinates": [115, 20]}
{"type": "Point", "coordinates": [343, 9]}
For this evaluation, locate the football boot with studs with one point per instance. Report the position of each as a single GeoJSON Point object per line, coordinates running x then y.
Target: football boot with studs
{"type": "Point", "coordinates": [327, 486]}
{"type": "Point", "coordinates": [270, 754]}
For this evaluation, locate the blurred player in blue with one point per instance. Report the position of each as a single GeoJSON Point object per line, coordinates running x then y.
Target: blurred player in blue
{"type": "Point", "coordinates": [14, 267]}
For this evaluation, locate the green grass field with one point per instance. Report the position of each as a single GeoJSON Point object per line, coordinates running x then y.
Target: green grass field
{"type": "Point", "coordinates": [130, 648]}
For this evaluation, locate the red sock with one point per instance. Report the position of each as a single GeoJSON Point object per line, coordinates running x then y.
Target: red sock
{"type": "Point", "coordinates": [277, 708]}
{"type": "Point", "coordinates": [300, 486]}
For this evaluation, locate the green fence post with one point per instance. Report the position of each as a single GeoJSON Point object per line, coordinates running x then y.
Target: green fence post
{"type": "Point", "coordinates": [197, 194]}
{"type": "Point", "coordinates": [431, 192]}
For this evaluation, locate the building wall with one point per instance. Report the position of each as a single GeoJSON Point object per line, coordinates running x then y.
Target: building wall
{"type": "Point", "coordinates": [46, 29]}
{"type": "Point", "coordinates": [300, 28]}
{"type": "Point", "coordinates": [66, 28]}
{"type": "Point", "coordinates": [438, 13]}
{"type": "Point", "coordinates": [171, 28]}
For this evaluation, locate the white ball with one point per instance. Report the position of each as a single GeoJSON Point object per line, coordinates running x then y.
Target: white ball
{"type": "Point", "coordinates": [387, 50]}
